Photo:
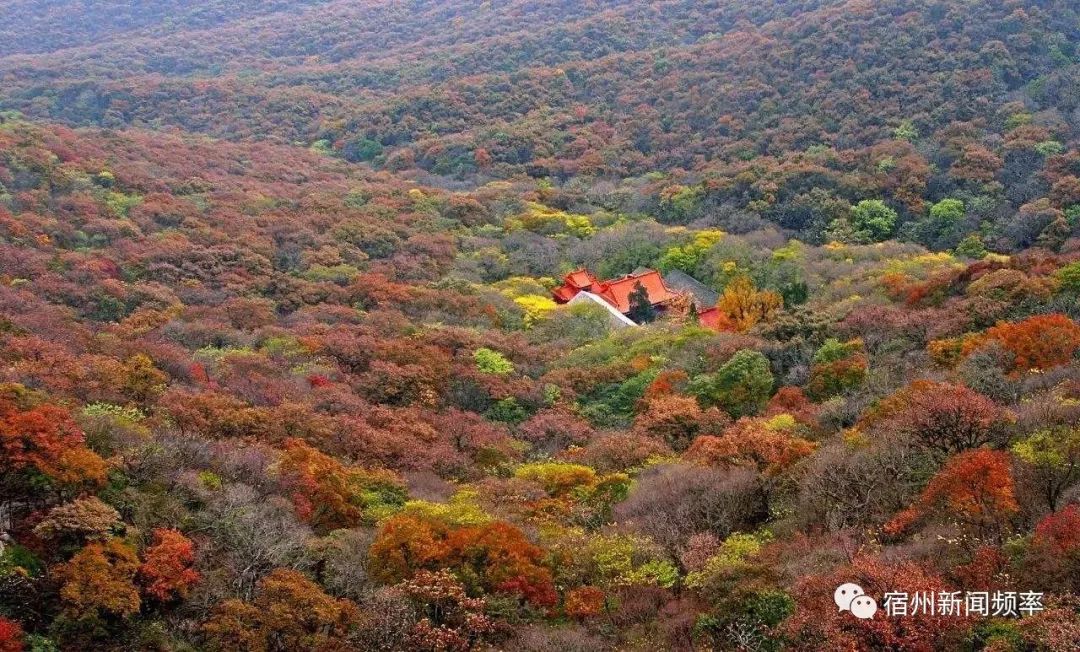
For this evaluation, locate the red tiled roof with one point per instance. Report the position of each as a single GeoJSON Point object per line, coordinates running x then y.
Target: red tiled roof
{"type": "Point", "coordinates": [574, 282]}
{"type": "Point", "coordinates": [581, 279]}
{"type": "Point", "coordinates": [564, 293]}
{"type": "Point", "coordinates": [617, 291]}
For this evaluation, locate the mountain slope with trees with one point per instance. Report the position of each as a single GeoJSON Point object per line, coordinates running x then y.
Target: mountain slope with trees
{"type": "Point", "coordinates": [281, 367]}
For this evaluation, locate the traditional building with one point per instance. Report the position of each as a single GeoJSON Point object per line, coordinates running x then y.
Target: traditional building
{"type": "Point", "coordinates": [577, 281]}
{"type": "Point", "coordinates": [616, 291]}
{"type": "Point", "coordinates": [703, 296]}
{"type": "Point", "coordinates": [677, 291]}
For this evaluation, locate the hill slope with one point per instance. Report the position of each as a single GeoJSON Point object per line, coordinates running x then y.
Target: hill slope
{"type": "Point", "coordinates": [281, 368]}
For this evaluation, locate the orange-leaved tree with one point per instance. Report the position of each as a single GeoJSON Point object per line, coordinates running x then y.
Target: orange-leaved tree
{"type": "Point", "coordinates": [974, 489]}
{"type": "Point", "coordinates": [98, 584]}
{"type": "Point", "coordinates": [1039, 342]}
{"type": "Point", "coordinates": [495, 555]}
{"type": "Point", "coordinates": [584, 602]}
{"type": "Point", "coordinates": [166, 573]}
{"type": "Point", "coordinates": [746, 306]}
{"type": "Point", "coordinates": [678, 420]}
{"type": "Point", "coordinates": [45, 438]}
{"type": "Point", "coordinates": [289, 612]}
{"type": "Point", "coordinates": [329, 495]}
{"type": "Point", "coordinates": [770, 446]}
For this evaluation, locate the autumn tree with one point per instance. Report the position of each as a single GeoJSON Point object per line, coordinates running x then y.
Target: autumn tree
{"type": "Point", "coordinates": [678, 420]}
{"type": "Point", "coordinates": [976, 163]}
{"type": "Point", "coordinates": [793, 401]}
{"type": "Point", "coordinates": [505, 561]}
{"type": "Point", "coordinates": [555, 429]}
{"type": "Point", "coordinates": [79, 522]}
{"type": "Point", "coordinates": [746, 306]}
{"type": "Point", "coordinates": [44, 438]}
{"type": "Point", "coordinates": [1052, 560]}
{"type": "Point", "coordinates": [817, 623]}
{"type": "Point", "coordinates": [838, 367]}
{"type": "Point", "coordinates": [406, 544]}
{"type": "Point", "coordinates": [584, 602]}
{"type": "Point", "coordinates": [496, 555]}
{"type": "Point", "coordinates": [97, 589]}
{"type": "Point", "coordinates": [1039, 342]}
{"type": "Point", "coordinates": [329, 495]}
{"type": "Point", "coordinates": [318, 486]}
{"type": "Point", "coordinates": [974, 488]}
{"type": "Point", "coordinates": [450, 619]}
{"type": "Point", "coordinates": [142, 380]}
{"type": "Point", "coordinates": [943, 417]}
{"type": "Point", "coordinates": [619, 451]}
{"type": "Point", "coordinates": [770, 446]}
{"type": "Point", "coordinates": [288, 612]}
{"type": "Point", "coordinates": [666, 383]}
{"type": "Point", "coordinates": [166, 573]}
{"type": "Point", "coordinates": [11, 636]}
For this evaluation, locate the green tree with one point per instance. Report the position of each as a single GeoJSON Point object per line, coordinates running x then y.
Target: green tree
{"type": "Point", "coordinates": [948, 210]}
{"type": "Point", "coordinates": [941, 229]}
{"type": "Point", "coordinates": [1049, 148]}
{"type": "Point", "coordinates": [838, 367]}
{"type": "Point", "coordinates": [873, 220]}
{"type": "Point", "coordinates": [492, 362]}
{"type": "Point", "coordinates": [690, 256]}
{"type": "Point", "coordinates": [508, 410]}
{"type": "Point", "coordinates": [1053, 460]}
{"type": "Point", "coordinates": [681, 204]}
{"type": "Point", "coordinates": [1069, 276]}
{"type": "Point", "coordinates": [906, 131]}
{"type": "Point", "coordinates": [362, 149]}
{"type": "Point", "coordinates": [971, 247]}
{"type": "Point", "coordinates": [741, 387]}
{"type": "Point", "coordinates": [641, 309]}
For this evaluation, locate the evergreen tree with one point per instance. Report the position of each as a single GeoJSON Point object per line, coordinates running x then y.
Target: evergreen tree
{"type": "Point", "coordinates": [641, 309]}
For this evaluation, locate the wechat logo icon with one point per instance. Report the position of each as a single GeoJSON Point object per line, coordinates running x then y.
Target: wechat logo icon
{"type": "Point", "coordinates": [851, 597]}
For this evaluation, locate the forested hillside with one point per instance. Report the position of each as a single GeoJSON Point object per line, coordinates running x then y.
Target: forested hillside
{"type": "Point", "coordinates": [281, 367]}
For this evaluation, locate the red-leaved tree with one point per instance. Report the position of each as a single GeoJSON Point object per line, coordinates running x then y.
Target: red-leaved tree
{"type": "Point", "coordinates": [166, 573]}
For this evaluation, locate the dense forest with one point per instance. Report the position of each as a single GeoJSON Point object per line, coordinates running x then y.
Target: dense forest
{"type": "Point", "coordinates": [281, 367]}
